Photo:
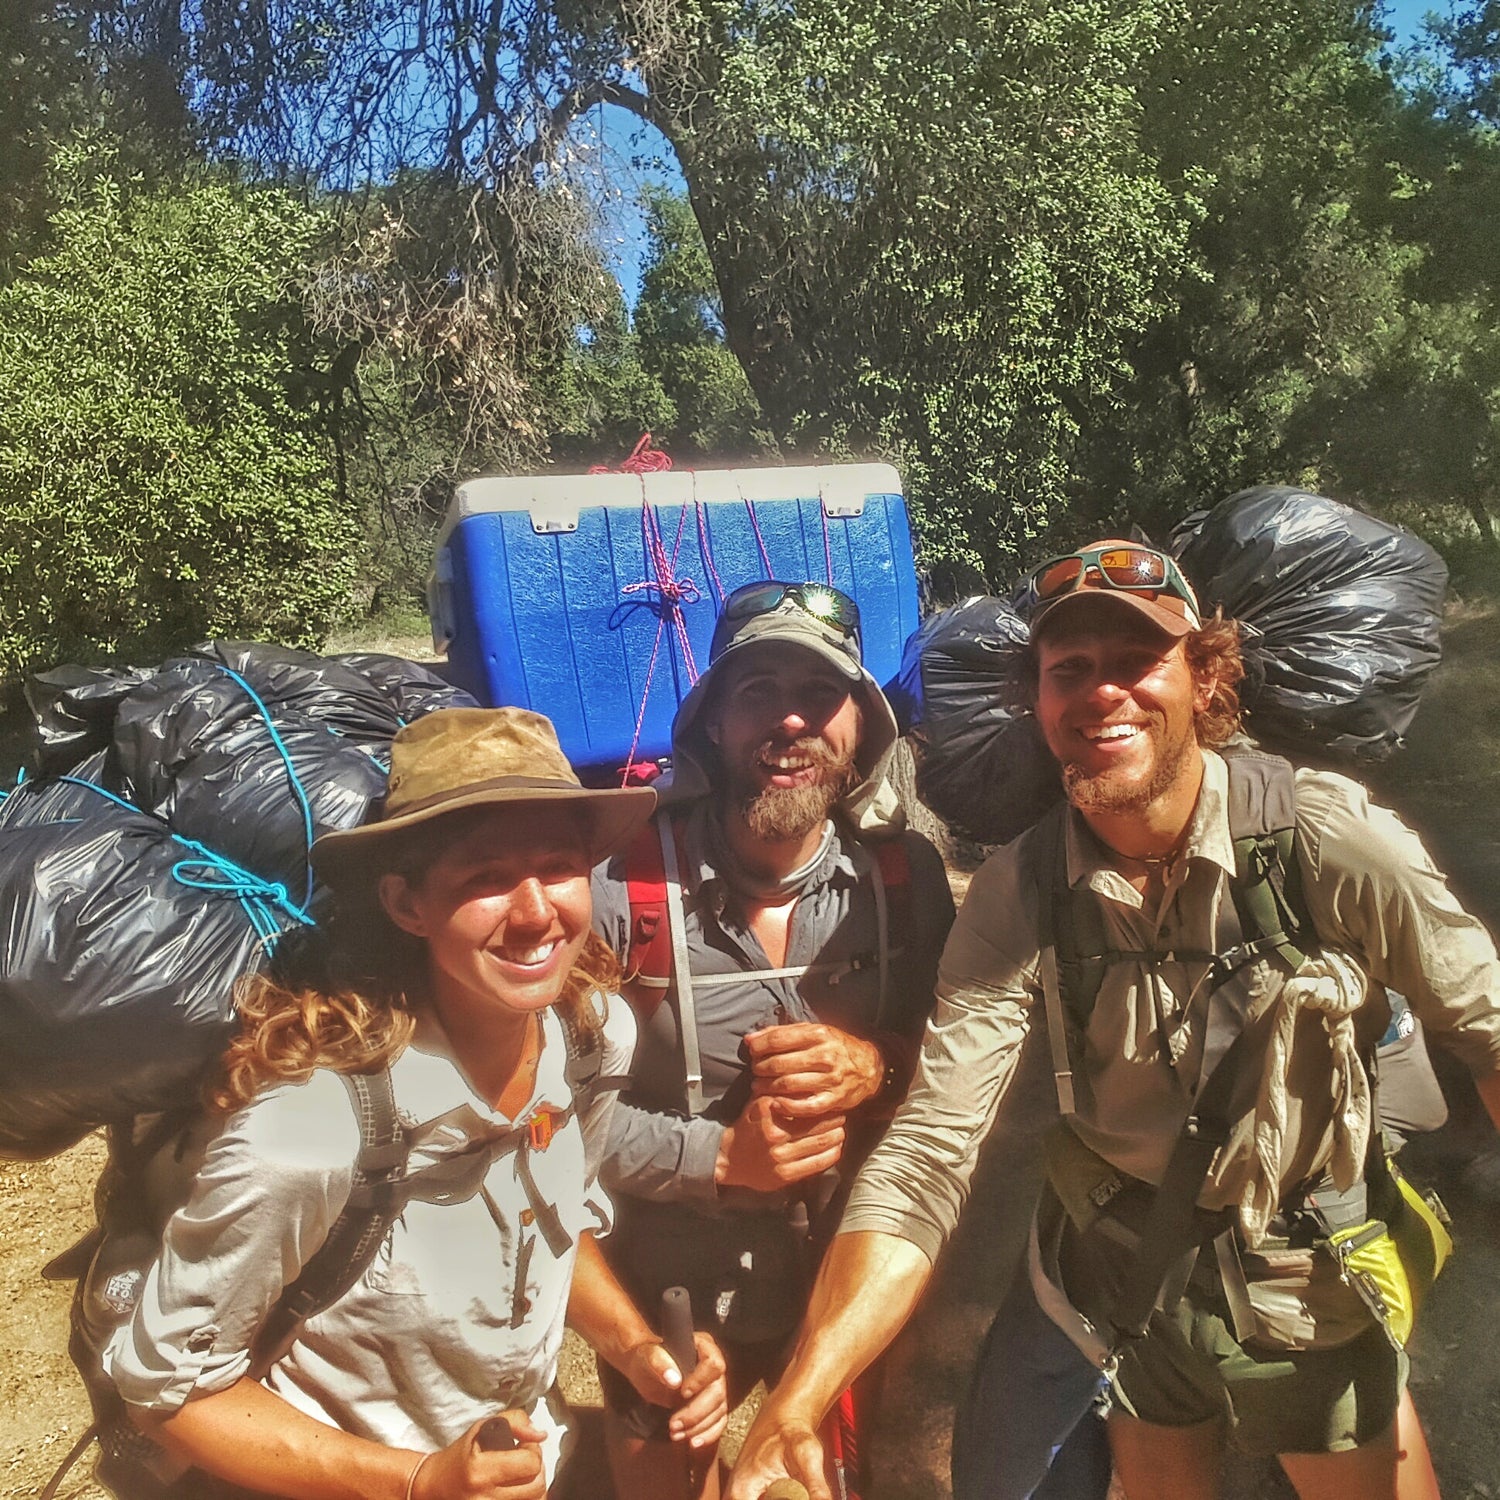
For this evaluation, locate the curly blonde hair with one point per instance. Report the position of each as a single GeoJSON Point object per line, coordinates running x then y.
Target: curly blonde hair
{"type": "Point", "coordinates": [358, 1015]}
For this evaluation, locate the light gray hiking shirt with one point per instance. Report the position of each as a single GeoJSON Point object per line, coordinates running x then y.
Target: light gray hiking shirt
{"type": "Point", "coordinates": [459, 1315]}
{"type": "Point", "coordinates": [1371, 890]}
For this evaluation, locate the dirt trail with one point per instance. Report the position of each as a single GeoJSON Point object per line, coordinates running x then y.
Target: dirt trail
{"type": "Point", "coordinates": [1453, 798]}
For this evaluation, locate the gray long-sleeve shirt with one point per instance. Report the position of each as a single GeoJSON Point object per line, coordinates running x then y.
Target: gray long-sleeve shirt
{"type": "Point", "coordinates": [656, 1152]}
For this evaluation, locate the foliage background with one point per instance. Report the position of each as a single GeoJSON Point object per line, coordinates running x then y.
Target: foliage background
{"type": "Point", "coordinates": [274, 278]}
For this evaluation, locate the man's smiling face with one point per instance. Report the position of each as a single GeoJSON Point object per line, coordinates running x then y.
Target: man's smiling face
{"type": "Point", "coordinates": [1116, 703]}
{"type": "Point", "coordinates": [787, 729]}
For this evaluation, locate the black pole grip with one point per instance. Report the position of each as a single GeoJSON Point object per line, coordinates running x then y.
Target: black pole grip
{"type": "Point", "coordinates": [496, 1437]}
{"type": "Point", "coordinates": [677, 1328]}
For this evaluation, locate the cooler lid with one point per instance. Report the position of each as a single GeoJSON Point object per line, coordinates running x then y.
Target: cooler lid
{"type": "Point", "coordinates": [555, 500]}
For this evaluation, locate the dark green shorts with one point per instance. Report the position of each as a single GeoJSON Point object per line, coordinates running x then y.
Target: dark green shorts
{"type": "Point", "coordinates": [1189, 1368]}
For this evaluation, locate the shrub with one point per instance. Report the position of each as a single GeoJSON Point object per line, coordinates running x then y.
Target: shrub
{"type": "Point", "coordinates": [164, 475]}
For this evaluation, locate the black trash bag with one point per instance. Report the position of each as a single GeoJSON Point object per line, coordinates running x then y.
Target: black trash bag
{"type": "Point", "coordinates": [74, 709]}
{"type": "Point", "coordinates": [196, 750]}
{"type": "Point", "coordinates": [116, 978]}
{"type": "Point", "coordinates": [1345, 613]}
{"type": "Point", "coordinates": [982, 765]}
{"type": "Point", "coordinates": [56, 799]}
{"type": "Point", "coordinates": [411, 689]}
{"type": "Point", "coordinates": [321, 689]}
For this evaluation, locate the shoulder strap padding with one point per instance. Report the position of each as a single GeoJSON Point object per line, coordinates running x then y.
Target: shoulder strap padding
{"type": "Point", "coordinates": [648, 959]}
{"type": "Point", "coordinates": [1069, 921]}
{"type": "Point", "coordinates": [1267, 887]}
{"type": "Point", "coordinates": [375, 1202]}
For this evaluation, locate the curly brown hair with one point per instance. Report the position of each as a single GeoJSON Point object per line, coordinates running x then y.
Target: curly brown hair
{"type": "Point", "coordinates": [1213, 654]}
{"type": "Point", "coordinates": [357, 1015]}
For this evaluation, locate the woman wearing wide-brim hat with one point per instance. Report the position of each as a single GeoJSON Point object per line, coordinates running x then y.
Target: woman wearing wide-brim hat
{"type": "Point", "coordinates": [463, 962]}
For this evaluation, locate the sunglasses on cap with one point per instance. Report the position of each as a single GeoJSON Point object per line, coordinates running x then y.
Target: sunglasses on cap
{"type": "Point", "coordinates": [1126, 566]}
{"type": "Point", "coordinates": [828, 606]}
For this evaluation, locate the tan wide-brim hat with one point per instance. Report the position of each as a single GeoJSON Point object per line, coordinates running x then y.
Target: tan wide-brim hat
{"type": "Point", "coordinates": [456, 758]}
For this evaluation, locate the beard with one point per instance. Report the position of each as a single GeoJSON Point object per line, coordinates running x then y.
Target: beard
{"type": "Point", "coordinates": [1115, 791]}
{"type": "Point", "coordinates": [775, 814]}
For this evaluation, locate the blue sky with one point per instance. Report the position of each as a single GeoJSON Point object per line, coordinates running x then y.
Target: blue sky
{"type": "Point", "coordinates": [635, 155]}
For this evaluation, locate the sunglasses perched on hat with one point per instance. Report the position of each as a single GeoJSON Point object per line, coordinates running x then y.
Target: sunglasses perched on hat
{"type": "Point", "coordinates": [813, 614]}
{"type": "Point", "coordinates": [1136, 575]}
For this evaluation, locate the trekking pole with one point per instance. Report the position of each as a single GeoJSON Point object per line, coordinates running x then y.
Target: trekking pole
{"type": "Point", "coordinates": [677, 1338]}
{"type": "Point", "coordinates": [677, 1328]}
{"type": "Point", "coordinates": [496, 1436]}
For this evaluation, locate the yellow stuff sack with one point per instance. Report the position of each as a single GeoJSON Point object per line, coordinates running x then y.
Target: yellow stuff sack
{"type": "Point", "coordinates": [1392, 1267]}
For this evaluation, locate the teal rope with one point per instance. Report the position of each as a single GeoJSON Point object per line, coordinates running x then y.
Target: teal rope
{"type": "Point", "coordinates": [291, 775]}
{"type": "Point", "coordinates": [222, 876]}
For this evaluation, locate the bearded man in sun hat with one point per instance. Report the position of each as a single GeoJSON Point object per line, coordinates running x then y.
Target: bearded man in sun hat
{"type": "Point", "coordinates": [1251, 1336]}
{"type": "Point", "coordinates": [780, 928]}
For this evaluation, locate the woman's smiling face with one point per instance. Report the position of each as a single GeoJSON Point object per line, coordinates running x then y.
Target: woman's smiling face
{"type": "Point", "coordinates": [504, 908]}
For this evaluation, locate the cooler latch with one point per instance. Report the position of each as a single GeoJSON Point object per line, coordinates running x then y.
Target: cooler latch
{"type": "Point", "coordinates": [842, 501]}
{"type": "Point", "coordinates": [550, 516]}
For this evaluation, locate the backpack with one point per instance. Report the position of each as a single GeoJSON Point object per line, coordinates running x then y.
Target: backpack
{"type": "Point", "coordinates": [656, 949]}
{"type": "Point", "coordinates": [1403, 1250]}
{"type": "Point", "coordinates": [110, 1276]}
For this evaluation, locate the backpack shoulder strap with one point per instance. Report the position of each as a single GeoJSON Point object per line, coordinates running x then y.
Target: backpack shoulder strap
{"type": "Point", "coordinates": [585, 1065]}
{"type": "Point", "coordinates": [374, 1203]}
{"type": "Point", "coordinates": [1069, 922]}
{"type": "Point", "coordinates": [1267, 885]}
{"type": "Point", "coordinates": [1057, 953]}
{"type": "Point", "coordinates": [648, 959]}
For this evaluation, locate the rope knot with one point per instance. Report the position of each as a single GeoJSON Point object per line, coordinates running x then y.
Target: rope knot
{"type": "Point", "coordinates": [673, 592]}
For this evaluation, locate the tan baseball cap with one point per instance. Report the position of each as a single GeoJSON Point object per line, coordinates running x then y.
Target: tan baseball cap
{"type": "Point", "coordinates": [1130, 573]}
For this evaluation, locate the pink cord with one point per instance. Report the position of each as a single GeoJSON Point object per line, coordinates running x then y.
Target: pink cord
{"type": "Point", "coordinates": [760, 541]}
{"type": "Point", "coordinates": [673, 592]}
{"type": "Point", "coordinates": [644, 459]}
{"type": "Point", "coordinates": [708, 556]}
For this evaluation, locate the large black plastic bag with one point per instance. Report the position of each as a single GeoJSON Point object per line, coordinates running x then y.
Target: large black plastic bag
{"type": "Point", "coordinates": [116, 978]}
{"type": "Point", "coordinates": [74, 709]}
{"type": "Point", "coordinates": [123, 941]}
{"type": "Point", "coordinates": [318, 688]}
{"type": "Point", "coordinates": [981, 763]}
{"type": "Point", "coordinates": [195, 749]}
{"type": "Point", "coordinates": [411, 688]}
{"type": "Point", "coordinates": [256, 750]}
{"type": "Point", "coordinates": [1346, 612]}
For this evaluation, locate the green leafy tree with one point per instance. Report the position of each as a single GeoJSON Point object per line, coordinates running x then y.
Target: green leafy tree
{"type": "Point", "coordinates": [600, 397]}
{"type": "Point", "coordinates": [164, 468]}
{"type": "Point", "coordinates": [679, 323]}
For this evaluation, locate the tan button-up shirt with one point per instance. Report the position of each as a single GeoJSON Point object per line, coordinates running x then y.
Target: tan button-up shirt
{"type": "Point", "coordinates": [1371, 890]}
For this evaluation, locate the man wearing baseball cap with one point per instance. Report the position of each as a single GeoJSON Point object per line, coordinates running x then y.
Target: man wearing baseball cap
{"type": "Point", "coordinates": [781, 932]}
{"type": "Point", "coordinates": [1216, 1116]}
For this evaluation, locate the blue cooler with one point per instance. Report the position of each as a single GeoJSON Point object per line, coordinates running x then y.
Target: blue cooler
{"type": "Point", "coordinates": [591, 598]}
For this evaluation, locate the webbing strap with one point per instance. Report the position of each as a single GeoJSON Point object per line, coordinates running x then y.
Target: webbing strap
{"type": "Point", "coordinates": [1057, 1033]}
{"type": "Point", "coordinates": [1173, 1227]}
{"type": "Point", "coordinates": [882, 936]}
{"type": "Point", "coordinates": [682, 969]}
{"type": "Point", "coordinates": [1050, 900]}
{"type": "Point", "coordinates": [374, 1204]}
